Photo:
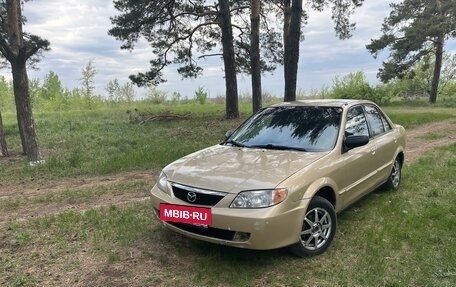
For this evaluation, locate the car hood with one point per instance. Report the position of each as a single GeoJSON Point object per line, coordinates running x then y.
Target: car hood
{"type": "Point", "coordinates": [233, 169]}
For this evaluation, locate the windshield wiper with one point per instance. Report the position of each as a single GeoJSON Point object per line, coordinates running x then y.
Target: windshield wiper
{"type": "Point", "coordinates": [233, 143]}
{"type": "Point", "coordinates": [278, 147]}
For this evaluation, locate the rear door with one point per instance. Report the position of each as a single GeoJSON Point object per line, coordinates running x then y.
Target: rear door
{"type": "Point", "coordinates": [384, 141]}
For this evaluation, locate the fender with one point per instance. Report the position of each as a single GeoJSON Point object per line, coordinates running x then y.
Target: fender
{"type": "Point", "coordinates": [319, 185]}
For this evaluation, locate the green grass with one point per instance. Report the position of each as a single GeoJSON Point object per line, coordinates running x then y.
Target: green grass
{"type": "Point", "coordinates": [55, 238]}
{"type": "Point", "coordinates": [412, 117]}
{"type": "Point", "coordinates": [104, 141]}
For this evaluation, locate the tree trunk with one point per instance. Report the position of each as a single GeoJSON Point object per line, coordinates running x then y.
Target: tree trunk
{"type": "Point", "coordinates": [24, 111]}
{"type": "Point", "coordinates": [3, 147]}
{"type": "Point", "coordinates": [438, 60]}
{"type": "Point", "coordinates": [17, 58]}
{"type": "Point", "coordinates": [232, 106]}
{"type": "Point", "coordinates": [286, 32]}
{"type": "Point", "coordinates": [286, 19]}
{"type": "Point", "coordinates": [291, 57]}
{"type": "Point", "coordinates": [437, 69]}
{"type": "Point", "coordinates": [255, 7]}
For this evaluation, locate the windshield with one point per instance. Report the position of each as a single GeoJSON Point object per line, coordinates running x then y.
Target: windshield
{"type": "Point", "coordinates": [297, 128]}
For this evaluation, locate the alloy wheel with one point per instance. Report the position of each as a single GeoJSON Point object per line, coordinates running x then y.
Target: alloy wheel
{"type": "Point", "coordinates": [316, 228]}
{"type": "Point", "coordinates": [396, 174]}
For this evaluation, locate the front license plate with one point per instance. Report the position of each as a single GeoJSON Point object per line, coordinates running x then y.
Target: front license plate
{"type": "Point", "coordinates": [199, 216]}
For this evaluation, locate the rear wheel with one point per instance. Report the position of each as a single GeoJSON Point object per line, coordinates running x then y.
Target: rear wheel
{"type": "Point", "coordinates": [318, 228]}
{"type": "Point", "coordinates": [394, 179]}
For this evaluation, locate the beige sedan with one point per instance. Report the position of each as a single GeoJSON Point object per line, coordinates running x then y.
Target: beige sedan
{"type": "Point", "coordinates": [282, 176]}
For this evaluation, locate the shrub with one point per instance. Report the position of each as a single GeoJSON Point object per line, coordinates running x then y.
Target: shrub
{"type": "Point", "coordinates": [176, 98]}
{"type": "Point", "coordinates": [155, 96]}
{"type": "Point", "coordinates": [201, 95]}
{"type": "Point", "coordinates": [355, 86]}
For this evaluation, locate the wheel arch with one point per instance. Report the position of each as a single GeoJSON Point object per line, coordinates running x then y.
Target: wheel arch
{"type": "Point", "coordinates": [325, 188]}
{"type": "Point", "coordinates": [401, 157]}
{"type": "Point", "coordinates": [327, 193]}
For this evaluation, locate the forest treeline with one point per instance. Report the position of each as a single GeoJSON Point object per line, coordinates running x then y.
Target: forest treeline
{"type": "Point", "coordinates": [50, 94]}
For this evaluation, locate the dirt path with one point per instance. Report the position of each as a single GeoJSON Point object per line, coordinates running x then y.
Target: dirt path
{"type": "Point", "coordinates": [427, 137]}
{"type": "Point", "coordinates": [33, 189]}
{"type": "Point", "coordinates": [419, 140]}
{"type": "Point", "coordinates": [24, 205]}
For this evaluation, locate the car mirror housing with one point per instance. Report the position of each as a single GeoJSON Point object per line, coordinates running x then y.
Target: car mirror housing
{"type": "Point", "coordinates": [351, 142]}
{"type": "Point", "coordinates": [228, 133]}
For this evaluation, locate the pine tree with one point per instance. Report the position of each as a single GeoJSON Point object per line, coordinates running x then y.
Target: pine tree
{"type": "Point", "coordinates": [415, 29]}
{"type": "Point", "coordinates": [18, 47]}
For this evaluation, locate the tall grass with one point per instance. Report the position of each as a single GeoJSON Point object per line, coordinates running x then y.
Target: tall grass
{"type": "Point", "coordinates": [105, 141]}
{"type": "Point", "coordinates": [416, 118]}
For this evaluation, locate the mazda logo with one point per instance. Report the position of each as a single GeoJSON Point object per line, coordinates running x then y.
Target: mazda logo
{"type": "Point", "coordinates": [191, 196]}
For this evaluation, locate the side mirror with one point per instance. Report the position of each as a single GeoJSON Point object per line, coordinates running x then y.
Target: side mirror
{"type": "Point", "coordinates": [351, 142]}
{"type": "Point", "coordinates": [228, 133]}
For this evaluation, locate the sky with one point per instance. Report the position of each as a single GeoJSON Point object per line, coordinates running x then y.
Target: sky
{"type": "Point", "coordinates": [77, 31]}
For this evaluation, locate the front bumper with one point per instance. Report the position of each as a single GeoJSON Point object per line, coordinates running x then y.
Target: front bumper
{"type": "Point", "coordinates": [262, 228]}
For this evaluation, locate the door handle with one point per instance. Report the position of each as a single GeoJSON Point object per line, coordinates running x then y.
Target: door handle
{"type": "Point", "coordinates": [373, 149]}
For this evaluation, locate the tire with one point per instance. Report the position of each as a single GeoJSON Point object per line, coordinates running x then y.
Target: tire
{"type": "Point", "coordinates": [394, 179]}
{"type": "Point", "coordinates": [318, 229]}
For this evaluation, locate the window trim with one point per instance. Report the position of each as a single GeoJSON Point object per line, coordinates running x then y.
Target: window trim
{"type": "Point", "coordinates": [382, 115]}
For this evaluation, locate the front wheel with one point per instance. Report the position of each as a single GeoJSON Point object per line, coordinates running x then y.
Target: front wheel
{"type": "Point", "coordinates": [318, 228]}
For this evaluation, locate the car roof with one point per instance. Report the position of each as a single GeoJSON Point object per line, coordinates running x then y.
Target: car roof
{"type": "Point", "coordinates": [323, 102]}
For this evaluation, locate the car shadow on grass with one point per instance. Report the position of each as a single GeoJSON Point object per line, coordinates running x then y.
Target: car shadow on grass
{"type": "Point", "coordinates": [210, 264]}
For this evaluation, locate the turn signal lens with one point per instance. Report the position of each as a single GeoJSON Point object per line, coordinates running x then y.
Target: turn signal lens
{"type": "Point", "coordinates": [279, 195]}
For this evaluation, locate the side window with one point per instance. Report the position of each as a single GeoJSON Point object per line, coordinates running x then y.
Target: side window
{"type": "Point", "coordinates": [376, 120]}
{"type": "Point", "coordinates": [356, 122]}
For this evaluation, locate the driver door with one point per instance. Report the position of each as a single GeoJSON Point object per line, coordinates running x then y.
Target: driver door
{"type": "Point", "coordinates": [358, 173]}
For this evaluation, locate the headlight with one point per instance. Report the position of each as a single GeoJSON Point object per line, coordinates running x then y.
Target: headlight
{"type": "Point", "coordinates": [259, 198]}
{"type": "Point", "coordinates": [162, 183]}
